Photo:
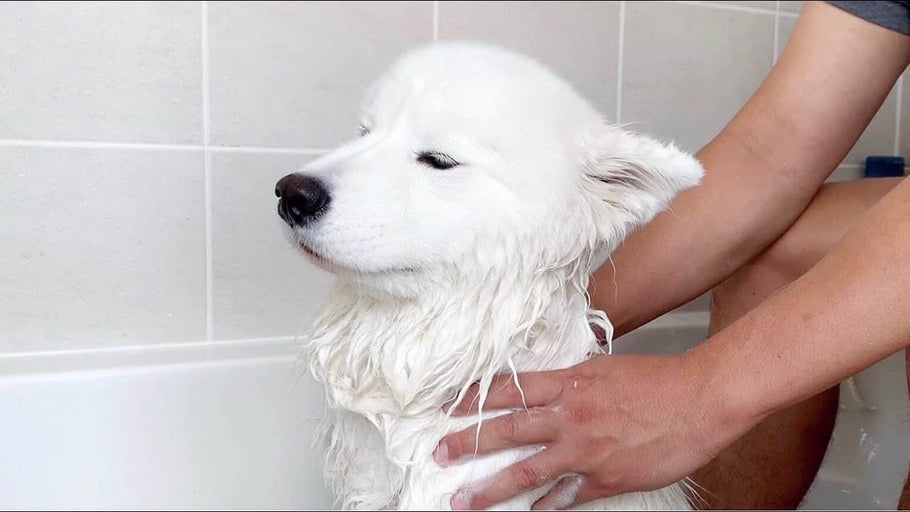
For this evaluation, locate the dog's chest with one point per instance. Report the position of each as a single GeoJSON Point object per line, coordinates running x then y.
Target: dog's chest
{"type": "Point", "coordinates": [401, 473]}
{"type": "Point", "coordinates": [389, 370]}
{"type": "Point", "coordinates": [424, 485]}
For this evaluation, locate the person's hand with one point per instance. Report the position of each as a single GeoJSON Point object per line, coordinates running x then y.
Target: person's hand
{"type": "Point", "coordinates": [610, 425]}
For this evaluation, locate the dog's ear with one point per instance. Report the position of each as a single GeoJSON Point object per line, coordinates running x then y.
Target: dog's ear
{"type": "Point", "coordinates": [629, 178]}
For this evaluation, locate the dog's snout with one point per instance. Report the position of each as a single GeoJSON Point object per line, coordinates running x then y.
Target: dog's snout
{"type": "Point", "coordinates": [301, 198]}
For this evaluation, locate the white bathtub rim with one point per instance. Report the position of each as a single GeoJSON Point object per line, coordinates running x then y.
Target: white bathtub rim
{"type": "Point", "coordinates": [21, 364]}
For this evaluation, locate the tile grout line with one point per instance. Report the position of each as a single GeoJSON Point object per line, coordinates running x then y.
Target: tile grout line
{"type": "Point", "coordinates": [145, 146]}
{"type": "Point", "coordinates": [619, 59]}
{"type": "Point", "coordinates": [739, 8]}
{"type": "Point", "coordinates": [776, 32]}
{"type": "Point", "coordinates": [266, 149]}
{"type": "Point", "coordinates": [898, 112]}
{"type": "Point", "coordinates": [81, 144]}
{"type": "Point", "coordinates": [435, 20]}
{"type": "Point", "coordinates": [207, 157]}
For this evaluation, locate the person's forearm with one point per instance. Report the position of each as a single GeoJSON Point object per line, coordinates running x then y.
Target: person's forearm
{"type": "Point", "coordinates": [739, 209]}
{"type": "Point", "coordinates": [849, 311]}
{"type": "Point", "coordinates": [762, 170]}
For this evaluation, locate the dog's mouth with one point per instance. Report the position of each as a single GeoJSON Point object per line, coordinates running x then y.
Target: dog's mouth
{"type": "Point", "coordinates": [325, 263]}
{"type": "Point", "coordinates": [309, 250]}
{"type": "Point", "coordinates": [318, 259]}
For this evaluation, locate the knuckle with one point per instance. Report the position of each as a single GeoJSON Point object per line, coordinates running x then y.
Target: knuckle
{"type": "Point", "coordinates": [458, 444]}
{"type": "Point", "coordinates": [573, 414]}
{"type": "Point", "coordinates": [470, 395]}
{"type": "Point", "coordinates": [509, 427]}
{"type": "Point", "coordinates": [610, 482]}
{"type": "Point", "coordinates": [547, 421]}
{"type": "Point", "coordinates": [511, 391]}
{"type": "Point", "coordinates": [465, 403]}
{"type": "Point", "coordinates": [527, 476]}
{"type": "Point", "coordinates": [503, 385]}
{"type": "Point", "coordinates": [580, 415]}
{"type": "Point", "coordinates": [577, 382]}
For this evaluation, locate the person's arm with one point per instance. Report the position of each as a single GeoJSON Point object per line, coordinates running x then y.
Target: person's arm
{"type": "Point", "coordinates": [762, 170]}
{"type": "Point", "coordinates": [849, 311]}
{"type": "Point", "coordinates": [629, 422]}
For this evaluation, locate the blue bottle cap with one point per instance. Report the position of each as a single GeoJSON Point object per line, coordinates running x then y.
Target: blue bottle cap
{"type": "Point", "coordinates": [884, 166]}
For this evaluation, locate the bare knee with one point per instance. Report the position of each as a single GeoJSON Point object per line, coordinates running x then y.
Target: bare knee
{"type": "Point", "coordinates": [813, 235]}
{"type": "Point", "coordinates": [782, 262]}
{"type": "Point", "coordinates": [830, 214]}
{"type": "Point", "coordinates": [744, 290]}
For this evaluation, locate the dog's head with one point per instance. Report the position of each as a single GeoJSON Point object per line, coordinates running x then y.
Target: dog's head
{"type": "Point", "coordinates": [469, 155]}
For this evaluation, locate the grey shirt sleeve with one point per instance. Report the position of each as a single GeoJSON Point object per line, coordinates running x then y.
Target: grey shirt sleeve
{"type": "Point", "coordinates": [893, 15]}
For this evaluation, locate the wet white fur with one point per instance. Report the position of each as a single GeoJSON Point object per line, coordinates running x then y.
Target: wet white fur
{"type": "Point", "coordinates": [447, 277]}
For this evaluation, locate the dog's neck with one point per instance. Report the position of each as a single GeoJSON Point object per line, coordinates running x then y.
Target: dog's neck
{"type": "Point", "coordinates": [396, 359]}
{"type": "Point", "coordinates": [393, 357]}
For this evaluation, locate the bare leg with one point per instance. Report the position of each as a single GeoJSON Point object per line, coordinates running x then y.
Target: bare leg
{"type": "Point", "coordinates": [773, 465]}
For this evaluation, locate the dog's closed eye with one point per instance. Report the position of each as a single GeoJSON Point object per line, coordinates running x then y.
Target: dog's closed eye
{"type": "Point", "coordinates": [363, 130]}
{"type": "Point", "coordinates": [437, 160]}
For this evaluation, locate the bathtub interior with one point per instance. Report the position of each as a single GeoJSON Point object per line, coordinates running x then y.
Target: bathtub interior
{"type": "Point", "coordinates": [230, 425]}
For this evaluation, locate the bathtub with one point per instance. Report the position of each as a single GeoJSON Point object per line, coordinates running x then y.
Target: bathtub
{"type": "Point", "coordinates": [229, 425]}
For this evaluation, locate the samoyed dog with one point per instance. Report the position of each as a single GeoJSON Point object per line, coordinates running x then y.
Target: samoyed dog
{"type": "Point", "coordinates": [462, 226]}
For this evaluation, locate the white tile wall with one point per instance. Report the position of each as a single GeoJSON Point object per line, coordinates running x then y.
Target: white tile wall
{"type": "Point", "coordinates": [101, 247]}
{"type": "Point", "coordinates": [688, 69]}
{"type": "Point", "coordinates": [791, 5]}
{"type": "Point", "coordinates": [262, 287]}
{"type": "Point", "coordinates": [139, 142]}
{"type": "Point", "coordinates": [104, 71]}
{"type": "Point", "coordinates": [578, 40]}
{"type": "Point", "coordinates": [770, 5]}
{"type": "Point", "coordinates": [903, 135]}
{"type": "Point", "coordinates": [292, 74]}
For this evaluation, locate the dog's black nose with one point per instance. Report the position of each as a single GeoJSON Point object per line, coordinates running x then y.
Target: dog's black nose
{"type": "Point", "coordinates": [301, 198]}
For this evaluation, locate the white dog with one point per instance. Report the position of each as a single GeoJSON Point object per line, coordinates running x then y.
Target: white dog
{"type": "Point", "coordinates": [462, 225]}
